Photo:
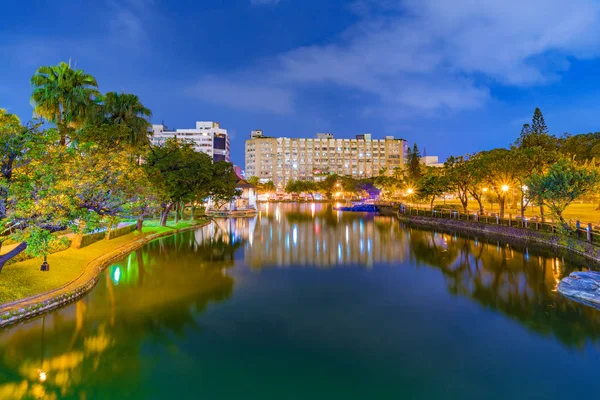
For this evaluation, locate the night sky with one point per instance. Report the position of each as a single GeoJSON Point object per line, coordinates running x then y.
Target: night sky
{"type": "Point", "coordinates": [454, 76]}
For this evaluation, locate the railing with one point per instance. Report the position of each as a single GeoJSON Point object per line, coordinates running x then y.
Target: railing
{"type": "Point", "coordinates": [584, 233]}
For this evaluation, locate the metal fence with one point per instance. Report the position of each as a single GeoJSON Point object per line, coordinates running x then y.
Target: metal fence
{"type": "Point", "coordinates": [586, 233]}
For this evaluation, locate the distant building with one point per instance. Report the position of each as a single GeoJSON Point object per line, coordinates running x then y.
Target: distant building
{"type": "Point", "coordinates": [283, 159]}
{"type": "Point", "coordinates": [431, 161]}
{"type": "Point", "coordinates": [208, 137]}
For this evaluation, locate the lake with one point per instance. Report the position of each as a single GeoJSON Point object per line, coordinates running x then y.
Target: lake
{"type": "Point", "coordinates": [305, 302]}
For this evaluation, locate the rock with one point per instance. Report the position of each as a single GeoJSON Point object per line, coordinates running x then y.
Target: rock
{"type": "Point", "coordinates": [583, 287]}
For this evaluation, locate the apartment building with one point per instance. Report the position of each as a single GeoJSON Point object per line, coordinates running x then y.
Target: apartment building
{"type": "Point", "coordinates": [431, 161]}
{"type": "Point", "coordinates": [208, 137]}
{"type": "Point", "coordinates": [283, 159]}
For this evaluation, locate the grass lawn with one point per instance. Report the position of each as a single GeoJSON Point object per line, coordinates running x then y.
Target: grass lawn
{"type": "Point", "coordinates": [24, 279]}
{"type": "Point", "coordinates": [584, 212]}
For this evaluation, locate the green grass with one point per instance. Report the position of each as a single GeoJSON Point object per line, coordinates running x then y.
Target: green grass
{"type": "Point", "coordinates": [24, 279]}
{"type": "Point", "coordinates": [584, 211]}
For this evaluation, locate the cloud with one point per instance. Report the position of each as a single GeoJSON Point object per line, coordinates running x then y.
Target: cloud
{"type": "Point", "coordinates": [264, 2]}
{"type": "Point", "coordinates": [241, 94]}
{"type": "Point", "coordinates": [128, 19]}
{"type": "Point", "coordinates": [427, 54]}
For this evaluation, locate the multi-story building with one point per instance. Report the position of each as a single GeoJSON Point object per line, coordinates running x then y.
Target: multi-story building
{"type": "Point", "coordinates": [208, 137]}
{"type": "Point", "coordinates": [431, 161]}
{"type": "Point", "coordinates": [283, 159]}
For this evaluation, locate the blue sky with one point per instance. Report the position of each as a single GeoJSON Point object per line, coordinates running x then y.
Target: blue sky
{"type": "Point", "coordinates": [454, 76]}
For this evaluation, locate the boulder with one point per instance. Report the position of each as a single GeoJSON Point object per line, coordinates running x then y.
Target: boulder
{"type": "Point", "coordinates": [583, 287]}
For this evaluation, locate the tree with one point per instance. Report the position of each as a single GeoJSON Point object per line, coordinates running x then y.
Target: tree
{"type": "Point", "coordinates": [327, 185]}
{"type": "Point", "coordinates": [30, 193]}
{"type": "Point", "coordinates": [538, 124]}
{"type": "Point", "coordinates": [536, 134]}
{"type": "Point", "coordinates": [223, 185]}
{"type": "Point", "coordinates": [268, 187]}
{"type": "Point", "coordinates": [124, 110]}
{"type": "Point", "coordinates": [104, 186]}
{"type": "Point", "coordinates": [583, 147]}
{"type": "Point", "coordinates": [432, 185]}
{"type": "Point", "coordinates": [564, 182]}
{"type": "Point", "coordinates": [63, 95]}
{"type": "Point", "coordinates": [413, 161]}
{"type": "Point", "coordinates": [181, 174]}
{"type": "Point", "coordinates": [500, 174]}
{"type": "Point", "coordinates": [458, 180]}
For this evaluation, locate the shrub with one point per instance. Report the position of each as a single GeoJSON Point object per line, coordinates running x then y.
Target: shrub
{"type": "Point", "coordinates": [456, 207]}
{"type": "Point", "coordinates": [115, 233]}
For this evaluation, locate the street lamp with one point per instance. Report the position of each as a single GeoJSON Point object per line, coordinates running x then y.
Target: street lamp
{"type": "Point", "coordinates": [45, 266]}
{"type": "Point", "coordinates": [410, 191]}
{"type": "Point", "coordinates": [505, 188]}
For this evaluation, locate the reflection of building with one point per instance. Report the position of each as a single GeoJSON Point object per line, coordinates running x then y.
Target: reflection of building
{"type": "Point", "coordinates": [315, 236]}
{"type": "Point", "coordinates": [283, 159]}
{"type": "Point", "coordinates": [208, 137]}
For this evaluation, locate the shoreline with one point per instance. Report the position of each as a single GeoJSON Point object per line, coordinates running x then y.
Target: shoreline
{"type": "Point", "coordinates": [26, 308]}
{"type": "Point", "coordinates": [527, 237]}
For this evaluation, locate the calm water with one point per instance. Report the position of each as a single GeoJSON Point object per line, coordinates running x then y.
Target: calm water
{"type": "Point", "coordinates": [304, 302]}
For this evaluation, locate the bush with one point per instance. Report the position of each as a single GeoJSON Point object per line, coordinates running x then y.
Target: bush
{"type": "Point", "coordinates": [456, 207]}
{"type": "Point", "coordinates": [88, 239]}
{"type": "Point", "coordinates": [115, 233]}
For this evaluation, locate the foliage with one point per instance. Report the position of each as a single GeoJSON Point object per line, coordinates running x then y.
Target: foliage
{"type": "Point", "coordinates": [433, 184]}
{"type": "Point", "coordinates": [222, 188]}
{"type": "Point", "coordinates": [267, 187]}
{"type": "Point", "coordinates": [413, 163]}
{"type": "Point", "coordinates": [125, 112]}
{"type": "Point", "coordinates": [564, 182]}
{"type": "Point", "coordinates": [62, 95]}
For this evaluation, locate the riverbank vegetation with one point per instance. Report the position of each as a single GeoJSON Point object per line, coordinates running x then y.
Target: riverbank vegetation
{"type": "Point", "coordinates": [85, 163]}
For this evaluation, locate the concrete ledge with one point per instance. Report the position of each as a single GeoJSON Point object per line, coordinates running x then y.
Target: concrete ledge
{"type": "Point", "coordinates": [17, 311]}
{"type": "Point", "coordinates": [518, 235]}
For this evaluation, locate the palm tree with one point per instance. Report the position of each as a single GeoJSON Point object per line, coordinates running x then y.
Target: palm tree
{"type": "Point", "coordinates": [62, 95]}
{"type": "Point", "coordinates": [127, 110]}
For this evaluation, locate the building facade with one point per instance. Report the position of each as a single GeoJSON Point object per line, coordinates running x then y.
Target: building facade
{"type": "Point", "coordinates": [208, 137]}
{"type": "Point", "coordinates": [283, 159]}
{"type": "Point", "coordinates": [431, 161]}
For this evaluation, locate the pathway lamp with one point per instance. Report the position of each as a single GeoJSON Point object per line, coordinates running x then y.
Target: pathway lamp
{"type": "Point", "coordinates": [45, 266]}
{"type": "Point", "coordinates": [505, 188]}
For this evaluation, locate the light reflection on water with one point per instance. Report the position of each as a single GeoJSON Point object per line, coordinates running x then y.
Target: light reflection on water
{"type": "Point", "coordinates": [187, 313]}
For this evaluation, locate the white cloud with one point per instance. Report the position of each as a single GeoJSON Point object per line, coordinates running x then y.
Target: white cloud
{"type": "Point", "coordinates": [240, 94]}
{"type": "Point", "coordinates": [128, 20]}
{"type": "Point", "coordinates": [427, 54]}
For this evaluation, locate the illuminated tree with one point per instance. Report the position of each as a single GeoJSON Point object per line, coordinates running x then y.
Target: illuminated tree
{"type": "Point", "coordinates": [62, 95]}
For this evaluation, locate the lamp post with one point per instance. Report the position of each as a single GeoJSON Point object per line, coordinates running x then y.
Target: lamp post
{"type": "Point", "coordinates": [45, 266]}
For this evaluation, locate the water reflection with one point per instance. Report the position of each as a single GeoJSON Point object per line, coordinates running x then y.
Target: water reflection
{"type": "Point", "coordinates": [316, 235]}
{"type": "Point", "coordinates": [149, 307]}
{"type": "Point", "coordinates": [153, 296]}
{"type": "Point", "coordinates": [519, 283]}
